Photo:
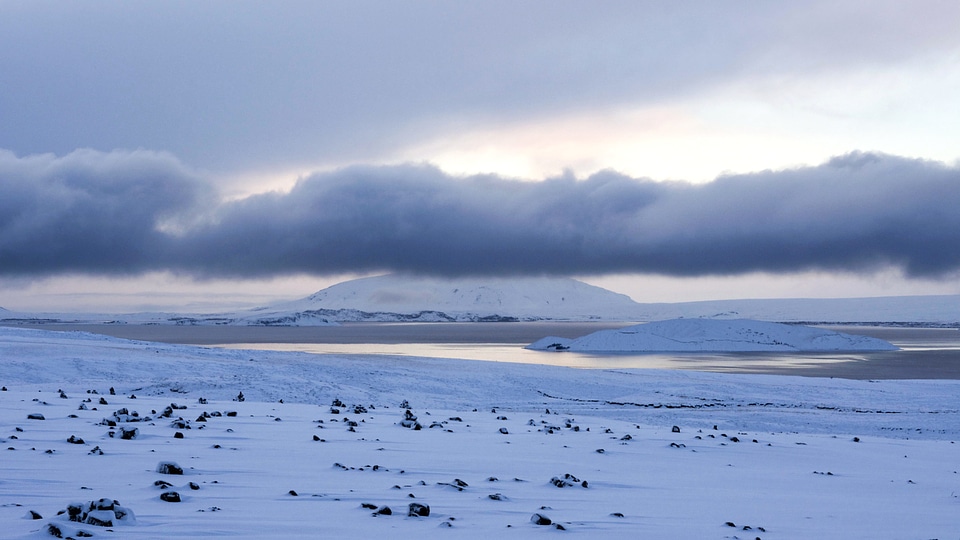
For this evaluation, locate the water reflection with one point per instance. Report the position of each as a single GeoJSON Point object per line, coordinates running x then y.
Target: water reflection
{"type": "Point", "coordinates": [924, 354]}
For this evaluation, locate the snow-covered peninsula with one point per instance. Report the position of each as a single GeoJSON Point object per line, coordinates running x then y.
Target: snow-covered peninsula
{"type": "Point", "coordinates": [711, 335]}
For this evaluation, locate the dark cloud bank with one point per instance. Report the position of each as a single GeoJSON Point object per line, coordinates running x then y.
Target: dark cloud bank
{"type": "Point", "coordinates": [132, 212]}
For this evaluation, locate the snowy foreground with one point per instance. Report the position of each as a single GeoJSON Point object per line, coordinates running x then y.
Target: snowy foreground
{"type": "Point", "coordinates": [752, 455]}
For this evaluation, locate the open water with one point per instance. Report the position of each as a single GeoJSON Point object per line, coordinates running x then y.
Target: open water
{"type": "Point", "coordinates": [925, 353]}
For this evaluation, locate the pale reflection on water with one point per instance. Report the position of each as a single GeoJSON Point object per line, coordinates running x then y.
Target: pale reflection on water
{"type": "Point", "coordinates": [925, 354]}
{"type": "Point", "coordinates": [517, 354]}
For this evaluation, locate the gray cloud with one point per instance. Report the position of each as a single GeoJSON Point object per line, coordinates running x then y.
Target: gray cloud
{"type": "Point", "coordinates": [132, 212]}
{"type": "Point", "coordinates": [228, 86]}
{"type": "Point", "coordinates": [92, 212]}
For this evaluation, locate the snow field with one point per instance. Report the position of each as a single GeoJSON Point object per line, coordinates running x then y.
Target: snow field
{"type": "Point", "coordinates": [666, 484]}
{"type": "Point", "coordinates": [805, 476]}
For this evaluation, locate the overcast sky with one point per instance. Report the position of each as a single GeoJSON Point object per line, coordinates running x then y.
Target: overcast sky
{"type": "Point", "coordinates": [219, 154]}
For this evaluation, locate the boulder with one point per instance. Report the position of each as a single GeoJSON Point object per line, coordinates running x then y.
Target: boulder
{"type": "Point", "coordinates": [540, 519]}
{"type": "Point", "coordinates": [418, 510]}
{"type": "Point", "coordinates": [169, 467]}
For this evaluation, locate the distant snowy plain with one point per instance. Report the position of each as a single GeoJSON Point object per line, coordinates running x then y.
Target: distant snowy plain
{"type": "Point", "coordinates": [752, 456]}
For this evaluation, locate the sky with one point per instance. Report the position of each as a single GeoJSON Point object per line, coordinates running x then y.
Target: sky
{"type": "Point", "coordinates": [203, 156]}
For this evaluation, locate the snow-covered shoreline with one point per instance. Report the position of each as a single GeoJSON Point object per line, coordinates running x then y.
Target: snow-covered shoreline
{"type": "Point", "coordinates": [709, 335]}
{"type": "Point", "coordinates": [832, 457]}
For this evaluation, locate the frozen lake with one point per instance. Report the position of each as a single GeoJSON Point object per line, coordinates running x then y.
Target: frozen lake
{"type": "Point", "coordinates": [926, 353]}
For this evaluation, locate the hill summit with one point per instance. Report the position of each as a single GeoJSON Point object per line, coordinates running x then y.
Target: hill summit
{"type": "Point", "coordinates": [398, 297]}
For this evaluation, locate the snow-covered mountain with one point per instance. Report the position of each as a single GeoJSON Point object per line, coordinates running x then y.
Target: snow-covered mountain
{"type": "Point", "coordinates": [711, 335]}
{"type": "Point", "coordinates": [405, 298]}
{"type": "Point", "coordinates": [398, 298]}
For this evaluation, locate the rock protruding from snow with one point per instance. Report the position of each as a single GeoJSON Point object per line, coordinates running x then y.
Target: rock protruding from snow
{"type": "Point", "coordinates": [711, 335]}
{"type": "Point", "coordinates": [102, 513]}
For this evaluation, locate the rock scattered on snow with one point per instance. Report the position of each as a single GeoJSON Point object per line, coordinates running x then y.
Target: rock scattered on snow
{"type": "Point", "coordinates": [418, 510]}
{"type": "Point", "coordinates": [169, 467]}
{"type": "Point", "coordinates": [100, 513]}
{"type": "Point", "coordinates": [568, 480]}
{"type": "Point", "coordinates": [540, 519]}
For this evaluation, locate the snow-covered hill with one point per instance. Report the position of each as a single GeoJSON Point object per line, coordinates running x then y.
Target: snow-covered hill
{"type": "Point", "coordinates": [709, 335]}
{"type": "Point", "coordinates": [408, 298]}
{"type": "Point", "coordinates": [397, 298]}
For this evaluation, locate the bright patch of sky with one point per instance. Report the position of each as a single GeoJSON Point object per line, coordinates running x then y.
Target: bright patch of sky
{"type": "Point", "coordinates": [256, 98]}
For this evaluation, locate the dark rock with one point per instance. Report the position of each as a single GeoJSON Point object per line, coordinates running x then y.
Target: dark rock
{"type": "Point", "coordinates": [35, 515]}
{"type": "Point", "coordinates": [496, 497]}
{"type": "Point", "coordinates": [383, 511]}
{"type": "Point", "coordinates": [368, 506]}
{"type": "Point", "coordinates": [170, 496]}
{"type": "Point", "coordinates": [504, 431]}
{"type": "Point", "coordinates": [559, 527]}
{"type": "Point", "coordinates": [540, 519]}
{"type": "Point", "coordinates": [568, 480]}
{"type": "Point", "coordinates": [169, 467]}
{"type": "Point", "coordinates": [101, 513]}
{"type": "Point", "coordinates": [194, 486]}
{"type": "Point", "coordinates": [162, 484]}
{"type": "Point", "coordinates": [675, 429]}
{"type": "Point", "coordinates": [103, 401]}
{"type": "Point", "coordinates": [856, 439]}
{"type": "Point", "coordinates": [73, 439]}
{"type": "Point", "coordinates": [418, 510]}
{"type": "Point", "coordinates": [52, 529]}
{"type": "Point", "coordinates": [617, 514]}
{"type": "Point", "coordinates": [292, 493]}
{"type": "Point", "coordinates": [178, 435]}
{"type": "Point", "coordinates": [96, 451]}
{"type": "Point", "coordinates": [129, 434]}
{"type": "Point", "coordinates": [35, 416]}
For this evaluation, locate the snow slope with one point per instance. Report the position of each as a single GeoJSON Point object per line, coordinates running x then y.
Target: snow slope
{"type": "Point", "coordinates": [710, 335]}
{"type": "Point", "coordinates": [751, 456]}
